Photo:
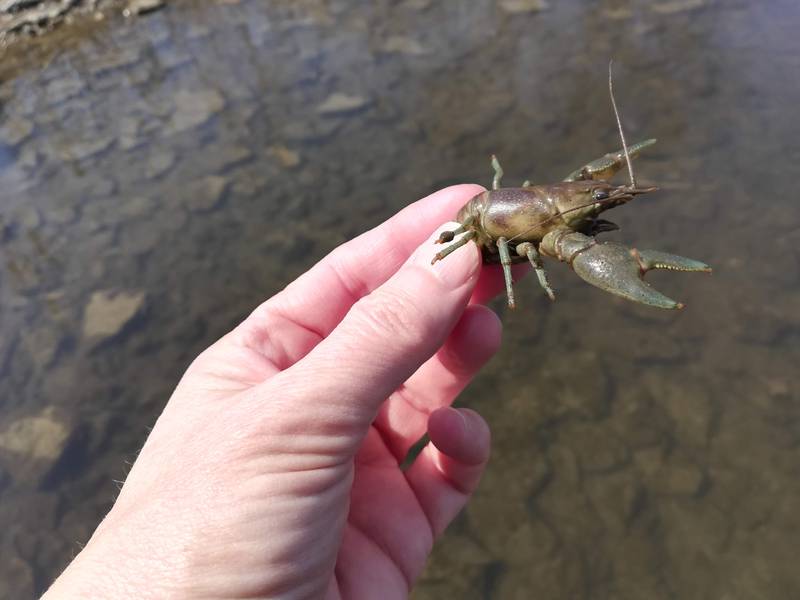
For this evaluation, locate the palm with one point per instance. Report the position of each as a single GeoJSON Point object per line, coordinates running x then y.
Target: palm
{"type": "Point", "coordinates": [393, 518]}
{"type": "Point", "coordinates": [387, 533]}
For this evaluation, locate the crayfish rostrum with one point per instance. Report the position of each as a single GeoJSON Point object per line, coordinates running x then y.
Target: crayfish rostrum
{"type": "Point", "coordinates": [560, 220]}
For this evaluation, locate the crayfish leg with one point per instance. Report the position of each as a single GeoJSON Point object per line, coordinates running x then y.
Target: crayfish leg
{"type": "Point", "coordinates": [498, 173]}
{"type": "Point", "coordinates": [449, 236]}
{"type": "Point", "coordinates": [454, 246]}
{"type": "Point", "coordinates": [505, 260]}
{"type": "Point", "coordinates": [529, 250]}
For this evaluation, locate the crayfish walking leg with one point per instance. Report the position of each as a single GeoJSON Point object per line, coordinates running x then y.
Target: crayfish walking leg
{"type": "Point", "coordinates": [529, 250]}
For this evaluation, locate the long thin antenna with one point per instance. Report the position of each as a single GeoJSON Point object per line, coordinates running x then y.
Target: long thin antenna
{"type": "Point", "coordinates": [619, 125]}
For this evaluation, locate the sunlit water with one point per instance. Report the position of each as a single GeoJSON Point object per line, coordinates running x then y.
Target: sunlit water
{"type": "Point", "coordinates": [159, 178]}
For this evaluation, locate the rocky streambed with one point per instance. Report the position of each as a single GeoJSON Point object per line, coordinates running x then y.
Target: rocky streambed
{"type": "Point", "coordinates": [162, 176]}
{"type": "Point", "coordinates": [21, 18]}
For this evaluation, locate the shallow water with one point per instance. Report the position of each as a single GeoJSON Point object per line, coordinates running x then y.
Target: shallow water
{"type": "Point", "coordinates": [159, 178]}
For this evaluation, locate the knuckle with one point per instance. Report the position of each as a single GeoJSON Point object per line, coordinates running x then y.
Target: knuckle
{"type": "Point", "coordinates": [392, 315]}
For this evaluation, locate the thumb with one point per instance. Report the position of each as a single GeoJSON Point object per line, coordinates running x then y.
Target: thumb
{"type": "Point", "coordinates": [385, 337]}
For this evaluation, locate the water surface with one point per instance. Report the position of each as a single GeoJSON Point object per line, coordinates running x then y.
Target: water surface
{"type": "Point", "coordinates": [159, 178]}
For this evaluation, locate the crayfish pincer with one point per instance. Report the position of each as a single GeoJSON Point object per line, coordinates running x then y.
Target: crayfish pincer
{"type": "Point", "coordinates": [560, 220]}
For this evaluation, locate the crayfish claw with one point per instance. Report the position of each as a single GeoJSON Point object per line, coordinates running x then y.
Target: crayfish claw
{"type": "Point", "coordinates": [654, 259]}
{"type": "Point", "coordinates": [606, 166]}
{"type": "Point", "coordinates": [619, 270]}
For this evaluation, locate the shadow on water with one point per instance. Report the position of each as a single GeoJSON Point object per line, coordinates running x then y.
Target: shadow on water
{"type": "Point", "coordinates": [159, 178]}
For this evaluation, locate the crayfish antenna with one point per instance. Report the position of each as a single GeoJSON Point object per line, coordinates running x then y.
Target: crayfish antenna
{"type": "Point", "coordinates": [619, 125]}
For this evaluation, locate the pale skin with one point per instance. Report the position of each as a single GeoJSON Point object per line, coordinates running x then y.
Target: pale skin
{"type": "Point", "coordinates": [273, 471]}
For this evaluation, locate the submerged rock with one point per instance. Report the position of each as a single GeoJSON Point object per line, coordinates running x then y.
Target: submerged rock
{"type": "Point", "coordinates": [400, 44]}
{"type": "Point", "coordinates": [516, 7]}
{"type": "Point", "coordinates": [108, 312]}
{"type": "Point", "coordinates": [29, 218]}
{"type": "Point", "coordinates": [617, 14]}
{"type": "Point", "coordinates": [194, 108]}
{"type": "Point", "coordinates": [419, 4]}
{"type": "Point", "coordinates": [159, 162]}
{"type": "Point", "coordinates": [676, 6]}
{"type": "Point", "coordinates": [62, 215]}
{"type": "Point", "coordinates": [205, 194]}
{"type": "Point", "coordinates": [12, 6]}
{"type": "Point", "coordinates": [43, 344]}
{"type": "Point", "coordinates": [38, 16]}
{"type": "Point", "coordinates": [30, 446]}
{"type": "Point", "coordinates": [129, 130]}
{"type": "Point", "coordinates": [15, 131]}
{"type": "Point", "coordinates": [287, 158]}
{"type": "Point", "coordinates": [136, 207]}
{"type": "Point", "coordinates": [340, 104]}
{"type": "Point", "coordinates": [35, 16]}
{"type": "Point", "coordinates": [117, 60]}
{"type": "Point", "coordinates": [232, 156]}
{"type": "Point", "coordinates": [311, 130]}
{"type": "Point", "coordinates": [141, 7]}
{"type": "Point", "coordinates": [39, 437]}
{"type": "Point", "coordinates": [101, 187]}
{"type": "Point", "coordinates": [29, 159]}
{"type": "Point", "coordinates": [87, 149]}
{"type": "Point", "coordinates": [62, 89]}
{"type": "Point", "coordinates": [681, 480]}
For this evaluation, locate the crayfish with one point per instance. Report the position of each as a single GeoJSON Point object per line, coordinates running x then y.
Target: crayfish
{"type": "Point", "coordinates": [560, 220]}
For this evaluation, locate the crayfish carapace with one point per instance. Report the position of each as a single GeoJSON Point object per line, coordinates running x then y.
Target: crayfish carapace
{"type": "Point", "coordinates": [560, 220]}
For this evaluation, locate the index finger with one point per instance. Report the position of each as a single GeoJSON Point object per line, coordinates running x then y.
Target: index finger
{"type": "Point", "coordinates": [310, 308]}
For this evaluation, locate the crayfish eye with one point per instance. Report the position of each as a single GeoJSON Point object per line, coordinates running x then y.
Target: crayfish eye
{"type": "Point", "coordinates": [600, 194]}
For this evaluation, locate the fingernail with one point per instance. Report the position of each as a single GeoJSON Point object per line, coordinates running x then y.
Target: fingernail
{"type": "Point", "coordinates": [465, 427]}
{"type": "Point", "coordinates": [455, 269]}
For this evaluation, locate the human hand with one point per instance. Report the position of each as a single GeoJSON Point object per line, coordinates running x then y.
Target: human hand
{"type": "Point", "coordinates": [274, 469]}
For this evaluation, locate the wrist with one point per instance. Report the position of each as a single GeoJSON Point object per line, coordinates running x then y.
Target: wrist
{"type": "Point", "coordinates": [105, 568]}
